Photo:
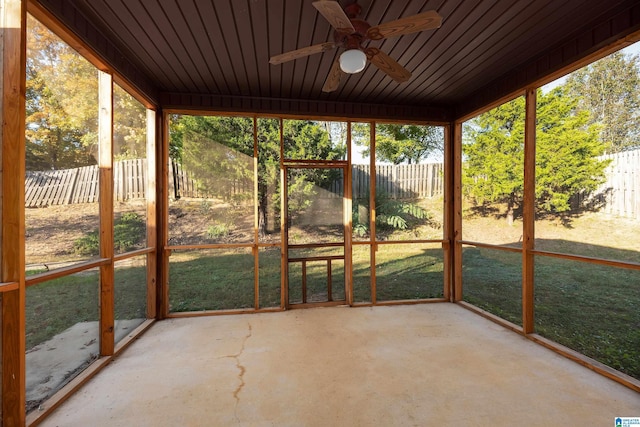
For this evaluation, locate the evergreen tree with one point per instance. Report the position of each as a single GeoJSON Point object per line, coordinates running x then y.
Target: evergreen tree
{"type": "Point", "coordinates": [566, 154]}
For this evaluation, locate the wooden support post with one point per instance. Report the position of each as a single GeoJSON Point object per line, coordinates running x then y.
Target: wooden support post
{"type": "Point", "coordinates": [329, 281]}
{"type": "Point", "coordinates": [12, 256]}
{"type": "Point", "coordinates": [457, 212]}
{"type": "Point", "coordinates": [105, 163]}
{"type": "Point", "coordinates": [348, 224]}
{"type": "Point", "coordinates": [447, 246]}
{"type": "Point", "coordinates": [284, 228]}
{"type": "Point", "coordinates": [163, 212]}
{"type": "Point", "coordinates": [304, 282]}
{"type": "Point", "coordinates": [152, 218]}
{"type": "Point", "coordinates": [528, 212]}
{"type": "Point", "coordinates": [372, 208]}
{"type": "Point", "coordinates": [256, 219]}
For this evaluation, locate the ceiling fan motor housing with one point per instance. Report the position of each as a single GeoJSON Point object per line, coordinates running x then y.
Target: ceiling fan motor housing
{"type": "Point", "coordinates": [352, 40]}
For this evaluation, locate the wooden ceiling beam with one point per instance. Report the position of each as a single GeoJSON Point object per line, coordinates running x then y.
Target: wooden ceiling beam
{"type": "Point", "coordinates": [304, 108]}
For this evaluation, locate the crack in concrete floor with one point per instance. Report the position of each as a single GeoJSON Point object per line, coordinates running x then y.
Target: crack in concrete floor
{"type": "Point", "coordinates": [241, 368]}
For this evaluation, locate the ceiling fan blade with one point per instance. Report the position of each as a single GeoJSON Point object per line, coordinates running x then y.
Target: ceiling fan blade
{"type": "Point", "coordinates": [301, 53]}
{"type": "Point", "coordinates": [333, 79]}
{"type": "Point", "coordinates": [332, 12]}
{"type": "Point", "coordinates": [411, 24]}
{"type": "Point", "coordinates": [384, 62]}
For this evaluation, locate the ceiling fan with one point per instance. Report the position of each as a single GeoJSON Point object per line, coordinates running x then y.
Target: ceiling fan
{"type": "Point", "coordinates": [352, 33]}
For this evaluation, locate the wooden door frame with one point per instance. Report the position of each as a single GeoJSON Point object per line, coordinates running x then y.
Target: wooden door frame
{"type": "Point", "coordinates": [346, 222]}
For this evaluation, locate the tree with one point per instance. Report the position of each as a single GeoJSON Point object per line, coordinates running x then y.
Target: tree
{"type": "Point", "coordinates": [62, 107]}
{"type": "Point", "coordinates": [610, 90]}
{"type": "Point", "coordinates": [494, 152]}
{"type": "Point", "coordinates": [129, 126]}
{"type": "Point", "coordinates": [566, 154]}
{"type": "Point", "coordinates": [219, 151]}
{"type": "Point", "coordinates": [401, 143]}
{"type": "Point", "coordinates": [61, 103]}
{"type": "Point", "coordinates": [567, 150]}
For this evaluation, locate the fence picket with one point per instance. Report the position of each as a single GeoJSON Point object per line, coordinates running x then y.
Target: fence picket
{"type": "Point", "coordinates": [620, 193]}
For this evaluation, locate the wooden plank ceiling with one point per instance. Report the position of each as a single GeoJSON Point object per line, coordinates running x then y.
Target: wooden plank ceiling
{"type": "Point", "coordinates": [222, 47]}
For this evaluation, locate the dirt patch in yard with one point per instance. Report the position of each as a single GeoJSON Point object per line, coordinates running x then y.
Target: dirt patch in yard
{"type": "Point", "coordinates": [52, 231]}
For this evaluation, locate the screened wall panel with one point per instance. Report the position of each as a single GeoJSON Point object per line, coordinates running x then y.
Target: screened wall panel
{"type": "Point", "coordinates": [212, 279]}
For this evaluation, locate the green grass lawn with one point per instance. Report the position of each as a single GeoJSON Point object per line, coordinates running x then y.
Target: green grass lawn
{"type": "Point", "coordinates": [592, 309]}
{"type": "Point", "coordinates": [56, 305]}
{"type": "Point", "coordinates": [224, 279]}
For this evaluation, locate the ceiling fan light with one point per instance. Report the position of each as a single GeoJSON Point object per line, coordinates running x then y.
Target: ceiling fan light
{"type": "Point", "coordinates": [353, 61]}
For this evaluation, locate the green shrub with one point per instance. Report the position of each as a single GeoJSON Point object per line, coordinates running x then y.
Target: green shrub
{"type": "Point", "coordinates": [87, 245]}
{"type": "Point", "coordinates": [128, 231]}
{"type": "Point", "coordinates": [218, 231]}
{"type": "Point", "coordinates": [391, 215]}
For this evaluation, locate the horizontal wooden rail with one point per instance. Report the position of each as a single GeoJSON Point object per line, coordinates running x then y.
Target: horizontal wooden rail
{"type": "Point", "coordinates": [65, 271]}
{"type": "Point", "coordinates": [318, 304]}
{"type": "Point", "coordinates": [221, 246]}
{"type": "Point", "coordinates": [268, 245]}
{"type": "Point", "coordinates": [413, 242]}
{"type": "Point", "coordinates": [317, 245]}
{"type": "Point", "coordinates": [489, 246]}
{"type": "Point", "coordinates": [181, 314]}
{"type": "Point", "coordinates": [588, 362]}
{"type": "Point", "coordinates": [591, 260]}
{"type": "Point", "coordinates": [132, 254]}
{"type": "Point", "coordinates": [318, 258]}
{"type": "Point", "coordinates": [315, 163]}
{"type": "Point", "coordinates": [398, 242]}
{"type": "Point", "coordinates": [9, 286]}
{"type": "Point", "coordinates": [411, 301]}
{"type": "Point", "coordinates": [209, 246]}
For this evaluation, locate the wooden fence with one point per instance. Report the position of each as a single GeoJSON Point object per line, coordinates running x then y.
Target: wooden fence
{"type": "Point", "coordinates": [619, 195]}
{"type": "Point", "coordinates": [400, 181]}
{"type": "Point", "coordinates": [80, 185]}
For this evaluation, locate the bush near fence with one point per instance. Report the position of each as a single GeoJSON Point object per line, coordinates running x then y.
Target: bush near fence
{"type": "Point", "coordinates": [618, 195]}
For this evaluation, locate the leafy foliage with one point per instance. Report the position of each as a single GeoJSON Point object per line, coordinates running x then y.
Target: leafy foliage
{"type": "Point", "coordinates": [610, 90]}
{"type": "Point", "coordinates": [567, 148]}
{"type": "Point", "coordinates": [401, 143]}
{"type": "Point", "coordinates": [88, 245]}
{"type": "Point", "coordinates": [566, 154]}
{"type": "Point", "coordinates": [128, 232]}
{"type": "Point", "coordinates": [61, 103]}
{"type": "Point", "coordinates": [391, 214]}
{"type": "Point", "coordinates": [129, 126]}
{"type": "Point", "coordinates": [218, 151]}
{"type": "Point", "coordinates": [62, 107]}
{"type": "Point", "coordinates": [218, 230]}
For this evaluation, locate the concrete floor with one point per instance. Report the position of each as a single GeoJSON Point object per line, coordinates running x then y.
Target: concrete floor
{"type": "Point", "coordinates": [415, 365]}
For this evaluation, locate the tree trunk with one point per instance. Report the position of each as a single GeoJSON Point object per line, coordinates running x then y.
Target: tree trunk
{"type": "Point", "coordinates": [510, 208]}
{"type": "Point", "coordinates": [262, 210]}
